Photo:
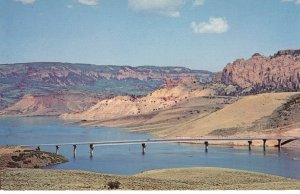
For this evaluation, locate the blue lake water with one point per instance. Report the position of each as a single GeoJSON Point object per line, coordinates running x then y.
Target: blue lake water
{"type": "Point", "coordinates": [128, 159]}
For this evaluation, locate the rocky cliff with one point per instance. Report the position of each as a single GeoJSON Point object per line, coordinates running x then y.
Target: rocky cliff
{"type": "Point", "coordinates": [280, 72]}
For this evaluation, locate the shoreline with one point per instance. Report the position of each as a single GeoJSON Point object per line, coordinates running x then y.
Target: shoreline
{"type": "Point", "coordinates": [91, 123]}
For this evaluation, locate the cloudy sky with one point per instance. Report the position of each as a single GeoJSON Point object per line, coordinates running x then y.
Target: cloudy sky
{"type": "Point", "coordinates": [199, 34]}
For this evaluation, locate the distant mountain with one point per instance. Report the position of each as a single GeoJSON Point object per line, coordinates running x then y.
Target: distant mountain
{"type": "Point", "coordinates": [280, 72]}
{"type": "Point", "coordinates": [45, 78]}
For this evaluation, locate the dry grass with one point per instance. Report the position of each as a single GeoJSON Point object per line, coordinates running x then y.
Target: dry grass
{"type": "Point", "coordinates": [240, 114]}
{"type": "Point", "coordinates": [211, 117]}
{"type": "Point", "coordinates": [166, 179]}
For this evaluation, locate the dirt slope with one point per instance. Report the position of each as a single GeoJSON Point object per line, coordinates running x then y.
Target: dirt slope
{"type": "Point", "coordinates": [241, 114]}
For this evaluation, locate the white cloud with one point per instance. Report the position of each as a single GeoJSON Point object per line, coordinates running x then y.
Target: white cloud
{"type": "Point", "coordinates": [214, 25]}
{"type": "Point", "coordinates": [166, 7]}
{"type": "Point", "coordinates": [88, 2]}
{"type": "Point", "coordinates": [293, 1]}
{"type": "Point", "coordinates": [197, 3]}
{"type": "Point", "coordinates": [26, 1]}
{"type": "Point", "coordinates": [70, 6]}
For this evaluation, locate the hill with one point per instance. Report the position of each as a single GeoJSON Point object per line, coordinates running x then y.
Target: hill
{"type": "Point", "coordinates": [196, 112]}
{"type": "Point", "coordinates": [170, 94]}
{"type": "Point", "coordinates": [52, 104]}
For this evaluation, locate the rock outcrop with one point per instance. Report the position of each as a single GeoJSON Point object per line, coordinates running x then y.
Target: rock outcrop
{"type": "Point", "coordinates": [280, 72]}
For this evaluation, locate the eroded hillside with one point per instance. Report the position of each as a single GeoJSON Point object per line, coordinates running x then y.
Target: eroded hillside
{"type": "Point", "coordinates": [172, 93]}
{"type": "Point", "coordinates": [53, 104]}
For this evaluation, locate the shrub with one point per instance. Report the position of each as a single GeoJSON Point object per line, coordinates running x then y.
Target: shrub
{"type": "Point", "coordinates": [18, 158]}
{"type": "Point", "coordinates": [13, 165]}
{"type": "Point", "coordinates": [113, 185]}
{"type": "Point", "coordinates": [27, 161]}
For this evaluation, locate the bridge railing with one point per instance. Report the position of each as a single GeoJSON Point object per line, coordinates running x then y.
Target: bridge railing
{"type": "Point", "coordinates": [281, 140]}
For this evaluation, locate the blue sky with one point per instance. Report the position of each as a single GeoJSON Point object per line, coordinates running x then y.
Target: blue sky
{"type": "Point", "coordinates": [199, 34]}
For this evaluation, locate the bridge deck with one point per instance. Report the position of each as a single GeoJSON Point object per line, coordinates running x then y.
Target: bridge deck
{"type": "Point", "coordinates": [176, 140]}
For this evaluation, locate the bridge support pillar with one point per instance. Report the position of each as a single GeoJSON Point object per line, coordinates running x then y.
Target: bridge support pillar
{"type": "Point", "coordinates": [279, 144]}
{"type": "Point", "coordinates": [143, 148]}
{"type": "Point", "coordinates": [264, 144]}
{"type": "Point", "coordinates": [74, 150]}
{"type": "Point", "coordinates": [250, 145]}
{"type": "Point", "coordinates": [57, 148]}
{"type": "Point", "coordinates": [91, 150]}
{"type": "Point", "coordinates": [206, 146]}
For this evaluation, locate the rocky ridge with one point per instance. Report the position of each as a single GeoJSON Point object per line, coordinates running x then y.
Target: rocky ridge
{"type": "Point", "coordinates": [280, 72]}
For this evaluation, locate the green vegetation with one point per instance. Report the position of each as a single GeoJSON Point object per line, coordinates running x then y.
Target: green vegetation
{"type": "Point", "coordinates": [225, 132]}
{"type": "Point", "coordinates": [121, 87]}
{"type": "Point", "coordinates": [54, 157]}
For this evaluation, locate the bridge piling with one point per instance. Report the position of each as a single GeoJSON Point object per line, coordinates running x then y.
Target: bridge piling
{"type": "Point", "coordinates": [279, 144]}
{"type": "Point", "coordinates": [206, 146]}
{"type": "Point", "coordinates": [56, 150]}
{"type": "Point", "coordinates": [143, 148]}
{"type": "Point", "coordinates": [91, 150]}
{"type": "Point", "coordinates": [74, 150]}
{"type": "Point", "coordinates": [250, 145]}
{"type": "Point", "coordinates": [264, 144]}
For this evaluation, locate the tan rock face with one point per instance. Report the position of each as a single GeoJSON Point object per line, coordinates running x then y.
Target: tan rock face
{"type": "Point", "coordinates": [278, 72]}
{"type": "Point", "coordinates": [170, 94]}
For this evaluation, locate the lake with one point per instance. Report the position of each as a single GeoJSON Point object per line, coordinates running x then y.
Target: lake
{"type": "Point", "coordinates": [128, 159]}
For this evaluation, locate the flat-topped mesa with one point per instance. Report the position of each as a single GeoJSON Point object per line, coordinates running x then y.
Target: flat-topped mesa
{"type": "Point", "coordinates": [280, 72]}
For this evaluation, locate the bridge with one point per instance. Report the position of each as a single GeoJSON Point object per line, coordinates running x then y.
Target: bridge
{"type": "Point", "coordinates": [281, 141]}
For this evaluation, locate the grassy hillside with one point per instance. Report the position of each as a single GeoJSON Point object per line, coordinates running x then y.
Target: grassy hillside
{"type": "Point", "coordinates": [169, 179]}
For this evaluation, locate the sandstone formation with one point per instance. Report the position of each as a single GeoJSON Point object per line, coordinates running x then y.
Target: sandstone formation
{"type": "Point", "coordinates": [280, 72]}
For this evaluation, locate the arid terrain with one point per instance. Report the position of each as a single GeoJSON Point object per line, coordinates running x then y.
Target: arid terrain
{"type": "Point", "coordinates": [249, 98]}
{"type": "Point", "coordinates": [238, 104]}
{"type": "Point", "coordinates": [195, 112]}
{"type": "Point", "coordinates": [165, 179]}
{"type": "Point", "coordinates": [53, 79]}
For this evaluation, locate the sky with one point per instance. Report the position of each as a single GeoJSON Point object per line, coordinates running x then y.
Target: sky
{"type": "Point", "coordinates": [198, 34]}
